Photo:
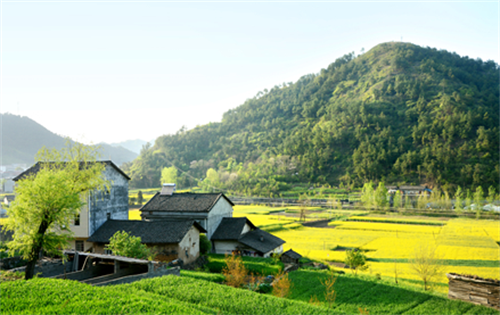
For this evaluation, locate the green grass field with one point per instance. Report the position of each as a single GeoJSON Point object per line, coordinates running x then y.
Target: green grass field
{"type": "Point", "coordinates": [202, 293]}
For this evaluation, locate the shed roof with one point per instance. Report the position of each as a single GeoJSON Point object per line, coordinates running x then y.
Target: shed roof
{"type": "Point", "coordinates": [184, 202]}
{"type": "Point", "coordinates": [292, 254]}
{"type": "Point", "coordinates": [36, 168]}
{"type": "Point", "coordinates": [261, 241]}
{"type": "Point", "coordinates": [150, 232]}
{"type": "Point", "coordinates": [231, 229]}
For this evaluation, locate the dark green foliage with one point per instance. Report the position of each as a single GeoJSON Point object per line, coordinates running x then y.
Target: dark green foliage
{"type": "Point", "coordinates": [205, 244]}
{"type": "Point", "coordinates": [399, 113]}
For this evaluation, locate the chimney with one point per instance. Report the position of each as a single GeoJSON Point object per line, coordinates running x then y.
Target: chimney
{"type": "Point", "coordinates": [167, 189]}
{"type": "Point", "coordinates": [262, 238]}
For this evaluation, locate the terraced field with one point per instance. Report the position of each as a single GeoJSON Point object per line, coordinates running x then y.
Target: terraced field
{"type": "Point", "coordinates": [466, 246]}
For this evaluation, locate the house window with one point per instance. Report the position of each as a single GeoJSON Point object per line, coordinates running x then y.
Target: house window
{"type": "Point", "coordinates": [108, 216]}
{"type": "Point", "coordinates": [108, 252]}
{"type": "Point", "coordinates": [79, 246]}
{"type": "Point", "coordinates": [77, 220]}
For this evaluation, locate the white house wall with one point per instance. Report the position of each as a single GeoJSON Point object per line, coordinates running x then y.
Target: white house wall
{"type": "Point", "coordinates": [225, 247]}
{"type": "Point", "coordinates": [222, 209]}
{"type": "Point", "coordinates": [189, 247]}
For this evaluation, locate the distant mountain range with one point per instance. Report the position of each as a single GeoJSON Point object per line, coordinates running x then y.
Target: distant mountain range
{"type": "Point", "coordinates": [132, 145]}
{"type": "Point", "coordinates": [22, 137]}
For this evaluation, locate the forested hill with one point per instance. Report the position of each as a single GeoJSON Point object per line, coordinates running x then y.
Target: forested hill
{"type": "Point", "coordinates": [399, 113]}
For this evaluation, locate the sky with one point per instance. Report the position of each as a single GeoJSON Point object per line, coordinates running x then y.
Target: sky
{"type": "Point", "coordinates": [111, 71]}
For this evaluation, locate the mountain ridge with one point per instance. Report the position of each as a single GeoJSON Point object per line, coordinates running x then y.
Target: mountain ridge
{"type": "Point", "coordinates": [398, 113]}
{"type": "Point", "coordinates": [22, 137]}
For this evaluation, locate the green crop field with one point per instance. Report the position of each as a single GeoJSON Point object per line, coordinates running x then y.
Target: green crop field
{"type": "Point", "coordinates": [202, 293]}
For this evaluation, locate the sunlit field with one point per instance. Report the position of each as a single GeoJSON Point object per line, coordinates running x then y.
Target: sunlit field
{"type": "Point", "coordinates": [465, 246]}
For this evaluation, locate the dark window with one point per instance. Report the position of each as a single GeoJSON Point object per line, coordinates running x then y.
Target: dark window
{"type": "Point", "coordinates": [108, 215]}
{"type": "Point", "coordinates": [77, 219]}
{"type": "Point", "coordinates": [79, 246]}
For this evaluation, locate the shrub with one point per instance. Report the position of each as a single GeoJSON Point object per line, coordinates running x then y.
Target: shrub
{"type": "Point", "coordinates": [282, 285]}
{"type": "Point", "coordinates": [123, 244]}
{"type": "Point", "coordinates": [235, 272]}
{"type": "Point", "coordinates": [205, 244]}
{"type": "Point", "coordinates": [426, 264]}
{"type": "Point", "coordinates": [356, 260]}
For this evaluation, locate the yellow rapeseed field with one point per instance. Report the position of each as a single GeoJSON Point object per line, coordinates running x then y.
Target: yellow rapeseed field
{"type": "Point", "coordinates": [464, 246]}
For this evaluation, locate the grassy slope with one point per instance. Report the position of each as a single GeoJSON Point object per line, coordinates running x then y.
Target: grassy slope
{"type": "Point", "coordinates": [196, 293]}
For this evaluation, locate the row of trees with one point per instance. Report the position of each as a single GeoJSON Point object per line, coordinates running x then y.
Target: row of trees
{"type": "Point", "coordinates": [462, 200]}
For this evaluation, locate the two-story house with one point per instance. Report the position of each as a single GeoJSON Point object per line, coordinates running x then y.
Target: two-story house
{"type": "Point", "coordinates": [100, 205]}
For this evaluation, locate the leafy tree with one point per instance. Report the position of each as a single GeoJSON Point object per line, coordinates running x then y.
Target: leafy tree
{"type": "Point", "coordinates": [123, 244]}
{"type": "Point", "coordinates": [48, 201]}
{"type": "Point", "coordinates": [356, 260]}
{"type": "Point", "coordinates": [478, 200]}
{"type": "Point", "coordinates": [397, 201]}
{"type": "Point", "coordinates": [140, 198]}
{"type": "Point", "coordinates": [491, 194]}
{"type": "Point", "coordinates": [169, 175]}
{"type": "Point", "coordinates": [458, 200]}
{"type": "Point", "coordinates": [205, 244]}
{"type": "Point", "coordinates": [381, 195]}
{"type": "Point", "coordinates": [367, 195]}
{"type": "Point", "coordinates": [426, 264]}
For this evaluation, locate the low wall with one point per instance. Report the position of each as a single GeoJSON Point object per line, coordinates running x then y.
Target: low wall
{"type": "Point", "coordinates": [12, 262]}
{"type": "Point", "coordinates": [128, 279]}
{"type": "Point", "coordinates": [318, 223]}
{"type": "Point", "coordinates": [48, 267]}
{"type": "Point", "coordinates": [474, 289]}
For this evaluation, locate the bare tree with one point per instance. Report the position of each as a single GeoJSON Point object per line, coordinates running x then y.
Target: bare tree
{"type": "Point", "coordinates": [426, 263]}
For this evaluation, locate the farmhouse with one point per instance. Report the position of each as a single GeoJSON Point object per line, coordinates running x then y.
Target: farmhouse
{"type": "Point", "coordinates": [171, 239]}
{"type": "Point", "coordinates": [410, 191]}
{"type": "Point", "coordinates": [207, 209]}
{"type": "Point", "coordinates": [100, 205]}
{"type": "Point", "coordinates": [242, 236]}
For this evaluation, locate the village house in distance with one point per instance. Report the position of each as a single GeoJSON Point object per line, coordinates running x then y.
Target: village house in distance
{"type": "Point", "coordinates": [213, 212]}
{"type": "Point", "coordinates": [100, 205]}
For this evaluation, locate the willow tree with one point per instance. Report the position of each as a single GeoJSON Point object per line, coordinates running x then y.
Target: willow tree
{"type": "Point", "coordinates": [48, 197]}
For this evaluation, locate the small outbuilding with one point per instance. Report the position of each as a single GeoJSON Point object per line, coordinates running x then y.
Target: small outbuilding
{"type": "Point", "coordinates": [242, 236]}
{"type": "Point", "coordinates": [171, 239]}
{"type": "Point", "coordinates": [290, 257]}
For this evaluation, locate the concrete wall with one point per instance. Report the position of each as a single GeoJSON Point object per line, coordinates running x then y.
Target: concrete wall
{"type": "Point", "coordinates": [82, 230]}
{"type": "Point", "coordinates": [114, 202]}
{"type": "Point", "coordinates": [222, 209]}
{"type": "Point", "coordinates": [225, 247]}
{"type": "Point", "coordinates": [189, 246]}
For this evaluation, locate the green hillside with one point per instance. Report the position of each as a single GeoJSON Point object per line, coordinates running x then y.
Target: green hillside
{"type": "Point", "coordinates": [399, 113]}
{"type": "Point", "coordinates": [22, 137]}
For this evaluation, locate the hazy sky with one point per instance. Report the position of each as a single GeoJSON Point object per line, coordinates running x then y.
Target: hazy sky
{"type": "Point", "coordinates": [113, 71]}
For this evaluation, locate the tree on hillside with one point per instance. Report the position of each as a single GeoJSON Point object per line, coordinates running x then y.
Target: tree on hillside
{"type": "Point", "coordinates": [47, 201]}
{"type": "Point", "coordinates": [169, 175]}
{"type": "Point", "coordinates": [356, 260]}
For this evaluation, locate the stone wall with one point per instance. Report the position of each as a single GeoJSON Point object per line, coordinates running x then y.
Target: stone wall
{"type": "Point", "coordinates": [474, 289]}
{"type": "Point", "coordinates": [49, 267]}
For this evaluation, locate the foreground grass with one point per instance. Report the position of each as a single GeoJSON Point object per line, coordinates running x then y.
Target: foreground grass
{"type": "Point", "coordinates": [201, 293]}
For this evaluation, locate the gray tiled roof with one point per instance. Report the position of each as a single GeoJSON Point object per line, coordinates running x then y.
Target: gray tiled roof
{"type": "Point", "coordinates": [292, 254]}
{"type": "Point", "coordinates": [231, 229]}
{"type": "Point", "coordinates": [150, 232]}
{"type": "Point", "coordinates": [188, 202]}
{"type": "Point", "coordinates": [261, 241]}
{"type": "Point", "coordinates": [35, 168]}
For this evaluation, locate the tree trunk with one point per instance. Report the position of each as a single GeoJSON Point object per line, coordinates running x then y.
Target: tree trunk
{"type": "Point", "coordinates": [29, 272]}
